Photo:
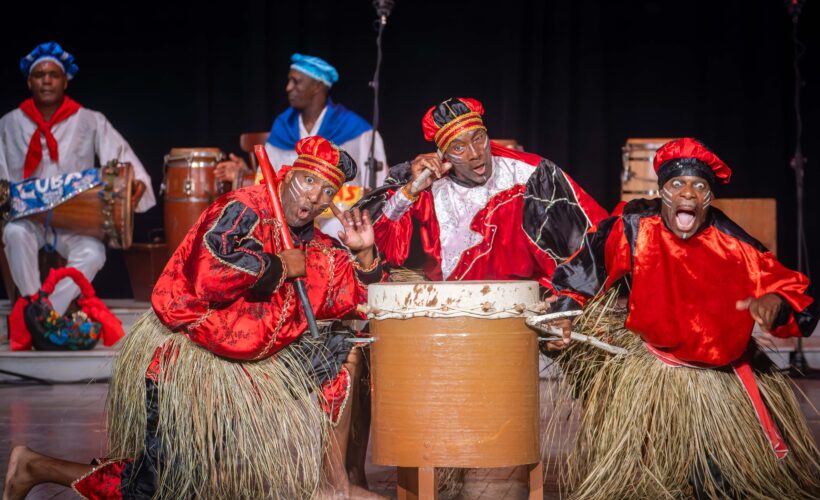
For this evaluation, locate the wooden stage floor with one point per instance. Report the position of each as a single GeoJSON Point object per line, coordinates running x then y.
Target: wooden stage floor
{"type": "Point", "coordinates": [67, 421]}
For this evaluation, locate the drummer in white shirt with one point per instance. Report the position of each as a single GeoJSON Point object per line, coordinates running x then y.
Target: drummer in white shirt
{"type": "Point", "coordinates": [51, 134]}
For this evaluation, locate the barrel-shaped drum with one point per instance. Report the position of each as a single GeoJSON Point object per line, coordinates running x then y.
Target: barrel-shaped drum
{"type": "Point", "coordinates": [454, 374]}
{"type": "Point", "coordinates": [103, 212]}
{"type": "Point", "coordinates": [638, 179]}
{"type": "Point", "coordinates": [189, 187]}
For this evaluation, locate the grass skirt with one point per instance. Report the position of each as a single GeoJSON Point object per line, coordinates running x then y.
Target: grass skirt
{"type": "Point", "coordinates": [646, 429]}
{"type": "Point", "coordinates": [227, 429]}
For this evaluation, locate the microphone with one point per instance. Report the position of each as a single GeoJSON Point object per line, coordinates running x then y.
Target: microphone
{"type": "Point", "coordinates": [383, 9]}
{"type": "Point", "coordinates": [793, 7]}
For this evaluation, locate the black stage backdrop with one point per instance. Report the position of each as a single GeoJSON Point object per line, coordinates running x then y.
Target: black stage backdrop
{"type": "Point", "coordinates": [570, 80]}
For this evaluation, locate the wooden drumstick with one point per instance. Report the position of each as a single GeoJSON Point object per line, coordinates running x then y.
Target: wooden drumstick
{"type": "Point", "coordinates": [423, 176]}
{"type": "Point", "coordinates": [557, 334]}
{"type": "Point", "coordinates": [272, 184]}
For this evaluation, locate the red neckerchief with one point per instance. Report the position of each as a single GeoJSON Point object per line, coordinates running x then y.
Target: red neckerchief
{"type": "Point", "coordinates": [35, 147]}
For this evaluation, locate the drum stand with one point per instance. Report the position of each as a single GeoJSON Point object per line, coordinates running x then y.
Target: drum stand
{"type": "Point", "coordinates": [420, 483]}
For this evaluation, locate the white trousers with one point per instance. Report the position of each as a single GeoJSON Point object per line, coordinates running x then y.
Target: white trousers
{"type": "Point", "coordinates": [24, 238]}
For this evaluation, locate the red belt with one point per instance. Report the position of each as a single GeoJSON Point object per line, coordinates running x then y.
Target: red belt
{"type": "Point", "coordinates": [744, 373]}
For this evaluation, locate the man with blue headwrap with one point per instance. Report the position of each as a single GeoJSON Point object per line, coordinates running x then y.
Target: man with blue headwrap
{"type": "Point", "coordinates": [50, 135]}
{"type": "Point", "coordinates": [312, 112]}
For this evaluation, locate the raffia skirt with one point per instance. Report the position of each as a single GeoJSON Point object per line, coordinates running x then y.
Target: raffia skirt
{"type": "Point", "coordinates": [649, 430]}
{"type": "Point", "coordinates": [223, 429]}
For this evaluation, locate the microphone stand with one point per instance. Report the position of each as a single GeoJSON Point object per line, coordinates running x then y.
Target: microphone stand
{"type": "Point", "coordinates": [383, 8]}
{"type": "Point", "coordinates": [799, 366]}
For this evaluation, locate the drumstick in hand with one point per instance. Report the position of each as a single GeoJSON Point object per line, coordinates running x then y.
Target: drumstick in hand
{"type": "Point", "coordinates": [416, 186]}
{"type": "Point", "coordinates": [272, 185]}
{"type": "Point", "coordinates": [425, 174]}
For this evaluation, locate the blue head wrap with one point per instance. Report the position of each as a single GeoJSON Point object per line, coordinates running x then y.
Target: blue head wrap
{"type": "Point", "coordinates": [315, 67]}
{"type": "Point", "coordinates": [49, 51]}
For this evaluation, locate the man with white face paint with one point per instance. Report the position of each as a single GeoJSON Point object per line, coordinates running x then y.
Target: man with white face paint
{"type": "Point", "coordinates": [697, 285]}
{"type": "Point", "coordinates": [487, 212]}
{"type": "Point", "coordinates": [225, 311]}
{"type": "Point", "coordinates": [313, 112]}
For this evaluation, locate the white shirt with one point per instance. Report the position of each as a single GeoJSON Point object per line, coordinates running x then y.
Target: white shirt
{"type": "Point", "coordinates": [80, 138]}
{"type": "Point", "coordinates": [358, 148]}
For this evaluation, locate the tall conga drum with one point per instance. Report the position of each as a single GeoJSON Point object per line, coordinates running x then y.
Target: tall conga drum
{"type": "Point", "coordinates": [189, 187]}
{"type": "Point", "coordinates": [454, 379]}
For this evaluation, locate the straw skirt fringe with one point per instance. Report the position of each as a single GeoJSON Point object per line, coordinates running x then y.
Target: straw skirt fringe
{"type": "Point", "coordinates": [226, 429]}
{"type": "Point", "coordinates": [646, 429]}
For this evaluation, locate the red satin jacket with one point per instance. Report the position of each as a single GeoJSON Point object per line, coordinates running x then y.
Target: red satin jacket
{"type": "Point", "coordinates": [224, 286]}
{"type": "Point", "coordinates": [683, 292]}
{"type": "Point", "coordinates": [528, 218]}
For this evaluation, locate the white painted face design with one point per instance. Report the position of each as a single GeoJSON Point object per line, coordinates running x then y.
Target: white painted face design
{"type": "Point", "coordinates": [305, 196]}
{"type": "Point", "coordinates": [686, 200]}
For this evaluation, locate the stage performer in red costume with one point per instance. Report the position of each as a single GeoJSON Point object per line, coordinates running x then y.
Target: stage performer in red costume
{"type": "Point", "coordinates": [487, 212]}
{"type": "Point", "coordinates": [692, 408]}
{"type": "Point", "coordinates": [211, 395]}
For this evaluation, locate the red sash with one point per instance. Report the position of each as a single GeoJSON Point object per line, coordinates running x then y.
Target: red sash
{"type": "Point", "coordinates": [744, 373]}
{"type": "Point", "coordinates": [34, 155]}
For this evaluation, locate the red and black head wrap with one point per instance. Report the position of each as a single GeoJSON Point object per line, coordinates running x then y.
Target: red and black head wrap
{"type": "Point", "coordinates": [689, 156]}
{"type": "Point", "coordinates": [324, 159]}
{"type": "Point", "coordinates": [443, 123]}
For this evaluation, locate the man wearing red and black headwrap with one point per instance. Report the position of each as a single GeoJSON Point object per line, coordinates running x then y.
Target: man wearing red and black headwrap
{"type": "Point", "coordinates": [487, 212]}
{"type": "Point", "coordinates": [697, 285]}
{"type": "Point", "coordinates": [224, 359]}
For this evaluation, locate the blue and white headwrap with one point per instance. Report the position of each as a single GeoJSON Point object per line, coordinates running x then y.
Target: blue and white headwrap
{"type": "Point", "coordinates": [49, 51]}
{"type": "Point", "coordinates": [315, 67]}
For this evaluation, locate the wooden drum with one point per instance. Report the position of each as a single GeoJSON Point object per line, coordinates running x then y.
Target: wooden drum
{"type": "Point", "coordinates": [103, 212]}
{"type": "Point", "coordinates": [189, 187]}
{"type": "Point", "coordinates": [638, 179]}
{"type": "Point", "coordinates": [454, 374]}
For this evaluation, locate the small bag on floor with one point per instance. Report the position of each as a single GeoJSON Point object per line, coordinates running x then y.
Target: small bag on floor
{"type": "Point", "coordinates": [33, 321]}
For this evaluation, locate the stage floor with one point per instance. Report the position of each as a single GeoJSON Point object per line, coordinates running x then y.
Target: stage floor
{"type": "Point", "coordinates": [67, 421]}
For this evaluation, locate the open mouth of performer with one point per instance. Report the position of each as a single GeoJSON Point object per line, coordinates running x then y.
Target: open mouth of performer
{"type": "Point", "coordinates": [310, 196]}
{"type": "Point", "coordinates": [686, 199]}
{"type": "Point", "coordinates": [686, 217]}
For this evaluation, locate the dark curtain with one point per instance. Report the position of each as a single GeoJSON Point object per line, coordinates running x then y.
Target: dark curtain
{"type": "Point", "coordinates": [569, 80]}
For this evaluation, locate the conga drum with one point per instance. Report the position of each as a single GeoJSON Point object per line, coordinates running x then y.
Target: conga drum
{"type": "Point", "coordinates": [189, 187]}
{"type": "Point", "coordinates": [638, 179]}
{"type": "Point", "coordinates": [454, 379]}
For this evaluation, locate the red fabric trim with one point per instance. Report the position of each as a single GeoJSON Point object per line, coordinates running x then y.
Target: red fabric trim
{"type": "Point", "coordinates": [617, 254]}
{"type": "Point", "coordinates": [34, 155]}
{"type": "Point", "coordinates": [334, 394]}
{"type": "Point", "coordinates": [744, 372]}
{"type": "Point", "coordinates": [19, 336]}
{"type": "Point", "coordinates": [577, 297]}
{"type": "Point", "coordinates": [103, 482]}
{"type": "Point", "coordinates": [790, 329]}
{"type": "Point", "coordinates": [479, 224]}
